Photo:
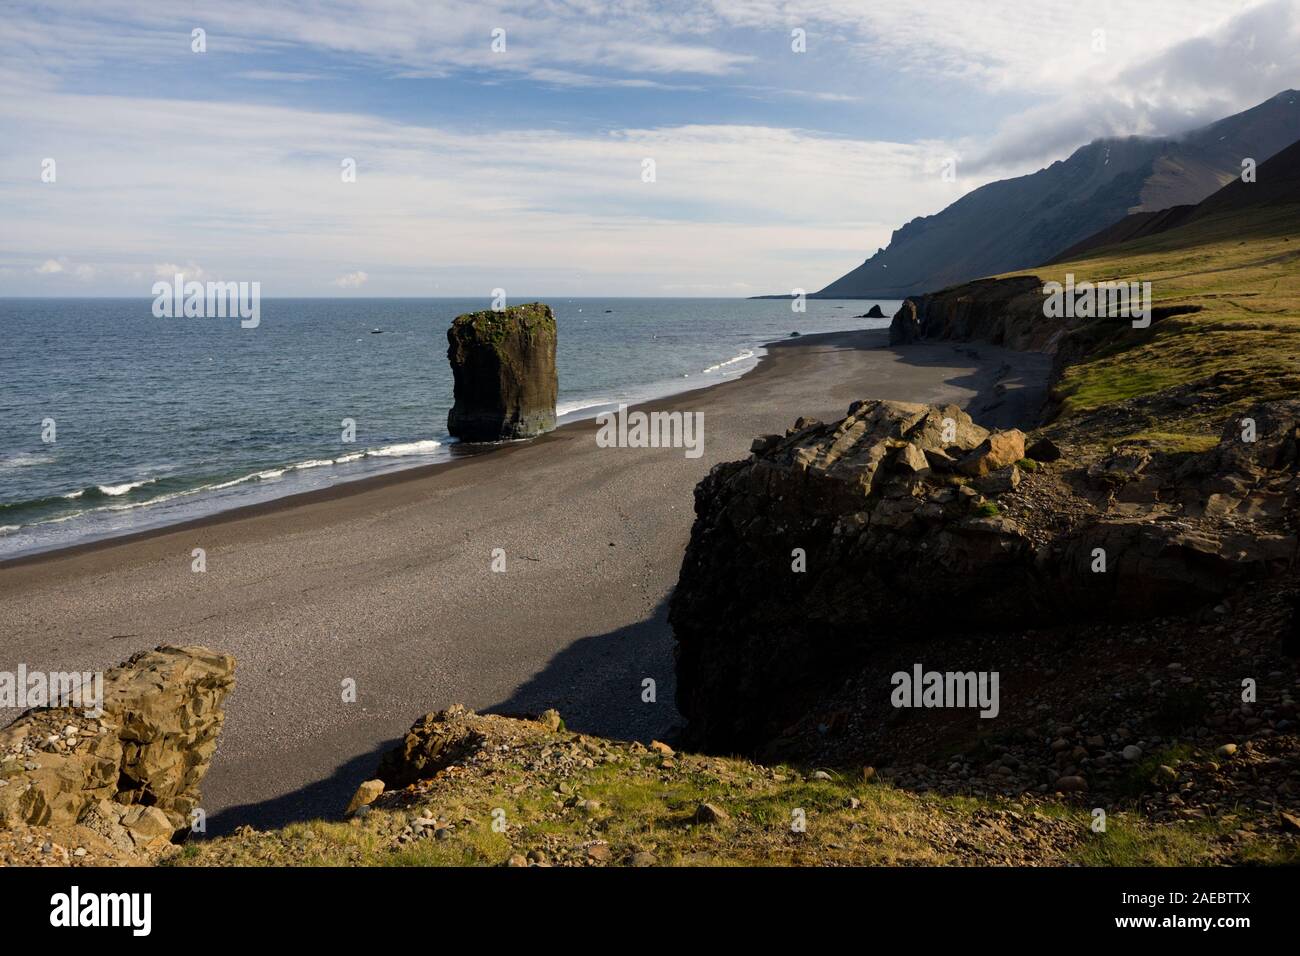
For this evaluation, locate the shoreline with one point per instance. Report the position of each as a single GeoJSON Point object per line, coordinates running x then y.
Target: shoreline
{"type": "Point", "coordinates": [388, 581]}
{"type": "Point", "coordinates": [450, 453]}
{"type": "Point", "coordinates": [458, 452]}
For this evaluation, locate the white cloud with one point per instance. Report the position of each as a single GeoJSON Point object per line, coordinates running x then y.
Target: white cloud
{"type": "Point", "coordinates": [50, 267]}
{"type": "Point", "coordinates": [1189, 84]}
{"type": "Point", "coordinates": [253, 190]}
{"type": "Point", "coordinates": [353, 280]}
{"type": "Point", "coordinates": [453, 212]}
{"type": "Point", "coordinates": [169, 271]}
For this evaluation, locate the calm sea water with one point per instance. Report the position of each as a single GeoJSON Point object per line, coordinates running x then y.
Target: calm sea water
{"type": "Point", "coordinates": [162, 420]}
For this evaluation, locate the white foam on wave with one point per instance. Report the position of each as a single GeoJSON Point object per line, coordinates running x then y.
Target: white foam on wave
{"type": "Point", "coordinates": [405, 448]}
{"type": "Point", "coordinates": [24, 460]}
{"type": "Point", "coordinates": [743, 356]}
{"type": "Point", "coordinates": [570, 407]}
{"type": "Point", "coordinates": [114, 491]}
{"type": "Point", "coordinates": [398, 450]}
{"type": "Point", "coordinates": [9, 528]}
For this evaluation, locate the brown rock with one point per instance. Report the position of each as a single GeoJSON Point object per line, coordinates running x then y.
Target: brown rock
{"type": "Point", "coordinates": [434, 742]}
{"type": "Point", "coordinates": [997, 451]}
{"type": "Point", "coordinates": [1071, 784]}
{"type": "Point", "coordinates": [709, 813]}
{"type": "Point", "coordinates": [366, 794]}
{"type": "Point", "coordinates": [162, 714]}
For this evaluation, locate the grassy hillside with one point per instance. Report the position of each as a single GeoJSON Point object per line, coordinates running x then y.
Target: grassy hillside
{"type": "Point", "coordinates": [1242, 269]}
{"type": "Point", "coordinates": [567, 799]}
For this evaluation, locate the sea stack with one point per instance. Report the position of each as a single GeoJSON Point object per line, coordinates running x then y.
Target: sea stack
{"type": "Point", "coordinates": [503, 367]}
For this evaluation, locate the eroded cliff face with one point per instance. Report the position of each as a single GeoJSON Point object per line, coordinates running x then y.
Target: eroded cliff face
{"type": "Point", "coordinates": [905, 521]}
{"type": "Point", "coordinates": [1004, 312]}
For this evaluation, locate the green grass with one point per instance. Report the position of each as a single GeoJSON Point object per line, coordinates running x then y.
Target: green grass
{"type": "Point", "coordinates": [1244, 271]}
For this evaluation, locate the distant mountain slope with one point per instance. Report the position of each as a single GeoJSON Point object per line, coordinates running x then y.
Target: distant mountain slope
{"type": "Point", "coordinates": [1018, 223]}
{"type": "Point", "coordinates": [1277, 182]}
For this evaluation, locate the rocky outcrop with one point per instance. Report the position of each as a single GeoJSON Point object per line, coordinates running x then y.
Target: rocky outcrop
{"type": "Point", "coordinates": [906, 520]}
{"type": "Point", "coordinates": [132, 773]}
{"type": "Point", "coordinates": [503, 367]}
{"type": "Point", "coordinates": [434, 742]}
{"type": "Point", "coordinates": [1007, 312]}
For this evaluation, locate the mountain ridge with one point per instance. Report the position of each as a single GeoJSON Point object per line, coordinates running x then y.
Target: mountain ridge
{"type": "Point", "coordinates": [1018, 223]}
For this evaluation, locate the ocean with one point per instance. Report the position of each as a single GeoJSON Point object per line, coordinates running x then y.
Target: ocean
{"type": "Point", "coordinates": [156, 421]}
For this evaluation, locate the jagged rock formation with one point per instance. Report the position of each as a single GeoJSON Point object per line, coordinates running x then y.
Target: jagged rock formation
{"type": "Point", "coordinates": [900, 517]}
{"type": "Point", "coordinates": [131, 775]}
{"type": "Point", "coordinates": [503, 367]}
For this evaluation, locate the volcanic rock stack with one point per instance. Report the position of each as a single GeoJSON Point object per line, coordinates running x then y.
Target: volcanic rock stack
{"type": "Point", "coordinates": [503, 367]}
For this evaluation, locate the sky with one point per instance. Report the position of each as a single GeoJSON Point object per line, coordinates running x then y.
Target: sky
{"type": "Point", "coordinates": [505, 145]}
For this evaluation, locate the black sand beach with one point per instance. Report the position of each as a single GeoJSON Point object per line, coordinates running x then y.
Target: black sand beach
{"type": "Point", "coordinates": [388, 582]}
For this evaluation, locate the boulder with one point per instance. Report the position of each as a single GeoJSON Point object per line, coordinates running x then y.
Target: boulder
{"type": "Point", "coordinates": [503, 369]}
{"type": "Point", "coordinates": [162, 714]}
{"type": "Point", "coordinates": [1044, 450]}
{"type": "Point", "coordinates": [999, 450]}
{"type": "Point", "coordinates": [998, 482]}
{"type": "Point", "coordinates": [367, 793]}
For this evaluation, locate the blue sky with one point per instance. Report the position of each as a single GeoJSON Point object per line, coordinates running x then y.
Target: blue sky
{"type": "Point", "coordinates": [522, 169]}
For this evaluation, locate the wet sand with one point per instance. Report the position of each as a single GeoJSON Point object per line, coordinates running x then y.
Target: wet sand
{"type": "Point", "coordinates": [389, 582]}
